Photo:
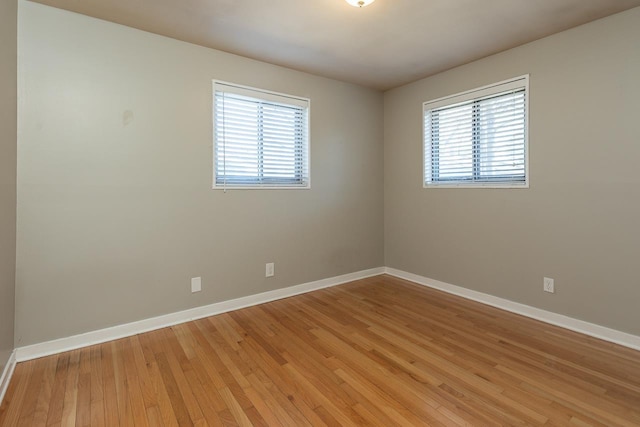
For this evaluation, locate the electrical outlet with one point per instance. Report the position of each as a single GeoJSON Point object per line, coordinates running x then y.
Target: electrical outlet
{"type": "Point", "coordinates": [270, 270]}
{"type": "Point", "coordinates": [548, 285]}
{"type": "Point", "coordinates": [196, 284]}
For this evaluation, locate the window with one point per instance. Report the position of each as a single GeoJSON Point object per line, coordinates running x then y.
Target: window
{"type": "Point", "coordinates": [261, 139]}
{"type": "Point", "coordinates": [478, 138]}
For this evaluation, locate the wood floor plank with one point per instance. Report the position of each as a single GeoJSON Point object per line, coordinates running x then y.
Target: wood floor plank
{"type": "Point", "coordinates": [178, 366]}
{"type": "Point", "coordinates": [142, 372]}
{"type": "Point", "coordinates": [16, 395]}
{"type": "Point", "coordinates": [165, 407]}
{"type": "Point", "coordinates": [173, 391]}
{"type": "Point", "coordinates": [83, 406]}
{"type": "Point", "coordinates": [44, 397]}
{"type": "Point", "coordinates": [379, 351]}
{"type": "Point", "coordinates": [125, 412]}
{"type": "Point", "coordinates": [54, 415]}
{"type": "Point", "coordinates": [110, 394]}
{"type": "Point", "coordinates": [70, 401]}
{"type": "Point", "coordinates": [28, 407]}
{"type": "Point", "coordinates": [134, 380]}
{"type": "Point", "coordinates": [97, 388]}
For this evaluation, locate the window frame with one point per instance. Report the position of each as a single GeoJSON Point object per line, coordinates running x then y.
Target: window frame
{"type": "Point", "coordinates": [476, 95]}
{"type": "Point", "coordinates": [263, 95]}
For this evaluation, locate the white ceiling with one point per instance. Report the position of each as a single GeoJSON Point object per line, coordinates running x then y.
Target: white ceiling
{"type": "Point", "coordinates": [384, 45]}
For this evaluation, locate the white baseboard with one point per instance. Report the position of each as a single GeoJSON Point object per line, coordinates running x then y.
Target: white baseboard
{"type": "Point", "coordinates": [121, 331]}
{"type": "Point", "coordinates": [7, 373]}
{"type": "Point", "coordinates": [593, 330]}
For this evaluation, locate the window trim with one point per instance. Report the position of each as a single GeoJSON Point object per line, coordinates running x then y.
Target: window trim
{"type": "Point", "coordinates": [275, 96]}
{"type": "Point", "coordinates": [487, 90]}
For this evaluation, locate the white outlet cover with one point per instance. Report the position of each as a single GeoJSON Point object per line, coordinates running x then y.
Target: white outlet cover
{"type": "Point", "coordinates": [196, 284]}
{"type": "Point", "coordinates": [270, 270]}
{"type": "Point", "coordinates": [548, 285]}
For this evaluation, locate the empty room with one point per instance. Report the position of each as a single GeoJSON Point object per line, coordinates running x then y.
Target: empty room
{"type": "Point", "coordinates": [319, 212]}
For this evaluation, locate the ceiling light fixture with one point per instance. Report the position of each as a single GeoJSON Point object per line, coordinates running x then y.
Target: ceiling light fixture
{"type": "Point", "coordinates": [360, 3]}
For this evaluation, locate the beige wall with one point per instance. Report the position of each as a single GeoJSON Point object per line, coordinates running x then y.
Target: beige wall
{"type": "Point", "coordinates": [115, 218]}
{"type": "Point", "coordinates": [578, 223]}
{"type": "Point", "coordinates": [8, 60]}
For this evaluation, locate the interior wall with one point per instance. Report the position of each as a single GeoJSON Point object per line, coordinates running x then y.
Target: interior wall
{"type": "Point", "coordinates": [8, 120]}
{"type": "Point", "coordinates": [115, 208]}
{"type": "Point", "coordinates": [578, 221]}
{"type": "Point", "coordinates": [116, 211]}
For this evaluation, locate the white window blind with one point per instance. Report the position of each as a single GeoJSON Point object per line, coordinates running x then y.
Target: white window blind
{"type": "Point", "coordinates": [261, 139]}
{"type": "Point", "coordinates": [478, 138]}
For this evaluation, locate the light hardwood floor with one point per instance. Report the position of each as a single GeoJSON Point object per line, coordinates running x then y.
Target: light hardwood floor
{"type": "Point", "coordinates": [380, 351]}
